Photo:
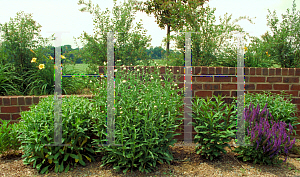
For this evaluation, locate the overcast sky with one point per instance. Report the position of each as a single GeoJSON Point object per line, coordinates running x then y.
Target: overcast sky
{"type": "Point", "coordinates": [64, 15]}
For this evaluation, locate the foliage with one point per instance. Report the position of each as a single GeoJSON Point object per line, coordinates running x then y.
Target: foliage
{"type": "Point", "coordinates": [145, 120]}
{"type": "Point", "coordinates": [269, 138]}
{"type": "Point", "coordinates": [211, 134]}
{"type": "Point", "coordinates": [129, 46]}
{"type": "Point", "coordinates": [280, 109]}
{"type": "Point", "coordinates": [7, 78]}
{"type": "Point", "coordinates": [285, 42]}
{"type": "Point", "coordinates": [174, 14]}
{"type": "Point", "coordinates": [8, 134]}
{"type": "Point", "coordinates": [38, 131]}
{"type": "Point", "coordinates": [209, 45]}
{"type": "Point", "coordinates": [19, 36]}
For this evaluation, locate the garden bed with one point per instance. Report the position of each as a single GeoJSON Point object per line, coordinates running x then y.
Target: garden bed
{"type": "Point", "coordinates": [186, 163]}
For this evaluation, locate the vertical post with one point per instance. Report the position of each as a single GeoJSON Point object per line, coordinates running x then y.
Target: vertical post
{"type": "Point", "coordinates": [240, 134]}
{"type": "Point", "coordinates": [57, 95]}
{"type": "Point", "coordinates": [187, 90]}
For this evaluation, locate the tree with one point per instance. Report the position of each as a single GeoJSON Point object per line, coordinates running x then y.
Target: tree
{"type": "Point", "coordinates": [128, 46]}
{"type": "Point", "coordinates": [209, 45]}
{"type": "Point", "coordinates": [173, 13]}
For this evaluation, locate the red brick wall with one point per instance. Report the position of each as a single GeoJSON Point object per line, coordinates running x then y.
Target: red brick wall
{"type": "Point", "coordinates": [256, 81]}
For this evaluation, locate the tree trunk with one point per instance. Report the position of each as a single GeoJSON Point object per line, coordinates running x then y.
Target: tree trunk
{"type": "Point", "coordinates": [168, 40]}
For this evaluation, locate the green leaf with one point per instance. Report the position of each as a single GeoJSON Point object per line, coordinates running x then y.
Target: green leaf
{"type": "Point", "coordinates": [81, 162]}
{"type": "Point", "coordinates": [61, 168]}
{"type": "Point", "coordinates": [44, 169]}
{"type": "Point", "coordinates": [67, 169]}
{"type": "Point", "coordinates": [66, 156]}
{"type": "Point", "coordinates": [74, 156]}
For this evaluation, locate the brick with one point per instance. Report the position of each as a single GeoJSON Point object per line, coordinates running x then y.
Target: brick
{"type": "Point", "coordinates": [203, 93]}
{"type": "Point", "coordinates": [211, 86]}
{"type": "Point", "coordinates": [222, 79]}
{"type": "Point", "coordinates": [249, 87]}
{"type": "Point", "coordinates": [252, 71]}
{"type": "Point", "coordinates": [204, 70]}
{"type": "Point", "coordinates": [36, 99]}
{"type": "Point", "coordinates": [10, 109]}
{"type": "Point", "coordinates": [1, 101]}
{"type": "Point", "coordinates": [28, 100]}
{"type": "Point", "coordinates": [218, 70]}
{"type": "Point", "coordinates": [225, 70]}
{"type": "Point", "coordinates": [290, 79]}
{"type": "Point", "coordinates": [281, 87]}
{"type": "Point", "coordinates": [197, 86]}
{"type": "Point", "coordinates": [265, 71]}
{"type": "Point", "coordinates": [232, 71]}
{"type": "Point", "coordinates": [211, 70]}
{"type": "Point", "coordinates": [5, 116]}
{"type": "Point", "coordinates": [297, 72]}
{"type": "Point", "coordinates": [15, 116]}
{"type": "Point", "coordinates": [229, 86]}
{"type": "Point", "coordinates": [274, 79]}
{"type": "Point", "coordinates": [222, 93]}
{"type": "Point", "coordinates": [271, 71]}
{"type": "Point", "coordinates": [21, 101]}
{"type": "Point", "coordinates": [291, 72]}
{"type": "Point", "coordinates": [284, 71]}
{"type": "Point", "coordinates": [6, 101]}
{"type": "Point", "coordinates": [25, 108]}
{"type": "Point", "coordinates": [14, 101]}
{"type": "Point", "coordinates": [203, 79]}
{"type": "Point", "coordinates": [278, 71]}
{"type": "Point", "coordinates": [263, 87]}
{"type": "Point", "coordinates": [257, 79]}
{"type": "Point", "coordinates": [258, 71]}
{"type": "Point", "coordinates": [295, 87]}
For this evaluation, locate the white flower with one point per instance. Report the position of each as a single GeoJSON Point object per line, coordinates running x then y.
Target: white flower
{"type": "Point", "coordinates": [91, 81]}
{"type": "Point", "coordinates": [138, 70]}
{"type": "Point", "coordinates": [124, 68]}
{"type": "Point", "coordinates": [155, 106]}
{"type": "Point", "coordinates": [121, 112]}
{"type": "Point", "coordinates": [104, 63]}
{"type": "Point", "coordinates": [175, 84]}
{"type": "Point", "coordinates": [124, 81]}
{"type": "Point", "coordinates": [116, 70]}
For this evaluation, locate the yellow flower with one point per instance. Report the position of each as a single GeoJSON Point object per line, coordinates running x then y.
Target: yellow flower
{"type": "Point", "coordinates": [245, 48]}
{"type": "Point", "coordinates": [41, 66]}
{"type": "Point", "coordinates": [31, 50]}
{"type": "Point", "coordinates": [33, 60]}
{"type": "Point", "coordinates": [50, 58]}
{"type": "Point", "coordinates": [267, 53]}
{"type": "Point", "coordinates": [63, 57]}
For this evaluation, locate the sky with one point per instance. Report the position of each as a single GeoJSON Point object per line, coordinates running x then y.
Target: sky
{"type": "Point", "coordinates": [55, 16]}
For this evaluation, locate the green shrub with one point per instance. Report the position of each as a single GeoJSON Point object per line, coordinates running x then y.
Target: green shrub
{"type": "Point", "coordinates": [8, 134]}
{"type": "Point", "coordinates": [280, 109]}
{"type": "Point", "coordinates": [38, 131]}
{"type": "Point", "coordinates": [145, 122]}
{"type": "Point", "coordinates": [211, 133]}
{"type": "Point", "coordinates": [267, 139]}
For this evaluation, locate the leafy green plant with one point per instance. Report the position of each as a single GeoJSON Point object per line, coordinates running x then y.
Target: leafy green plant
{"type": "Point", "coordinates": [8, 132]}
{"type": "Point", "coordinates": [281, 110]}
{"type": "Point", "coordinates": [145, 123]}
{"type": "Point", "coordinates": [211, 133]}
{"type": "Point", "coordinates": [8, 80]}
{"type": "Point", "coordinates": [38, 131]}
{"type": "Point", "coordinates": [19, 38]}
{"type": "Point", "coordinates": [267, 139]}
